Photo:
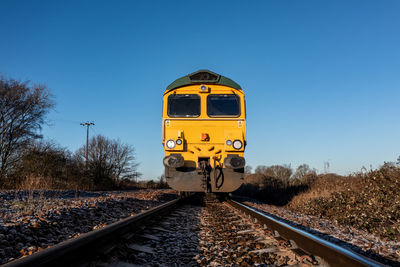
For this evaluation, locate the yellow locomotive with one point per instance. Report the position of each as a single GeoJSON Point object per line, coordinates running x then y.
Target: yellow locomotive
{"type": "Point", "coordinates": [204, 133]}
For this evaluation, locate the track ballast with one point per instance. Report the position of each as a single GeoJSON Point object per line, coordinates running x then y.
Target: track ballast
{"type": "Point", "coordinates": [189, 232]}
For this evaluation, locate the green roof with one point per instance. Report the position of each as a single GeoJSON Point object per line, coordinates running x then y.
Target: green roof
{"type": "Point", "coordinates": [203, 77]}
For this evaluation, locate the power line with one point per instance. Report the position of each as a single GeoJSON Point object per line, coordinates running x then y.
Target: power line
{"type": "Point", "coordinates": [87, 124]}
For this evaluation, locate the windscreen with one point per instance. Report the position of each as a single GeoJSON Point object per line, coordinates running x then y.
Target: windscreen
{"type": "Point", "coordinates": [183, 105]}
{"type": "Point", "coordinates": [223, 105]}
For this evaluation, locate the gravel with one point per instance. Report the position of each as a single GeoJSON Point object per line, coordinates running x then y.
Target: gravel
{"type": "Point", "coordinates": [385, 251]}
{"type": "Point", "coordinates": [229, 238]}
{"type": "Point", "coordinates": [31, 221]}
{"type": "Point", "coordinates": [173, 241]}
{"type": "Point", "coordinates": [193, 235]}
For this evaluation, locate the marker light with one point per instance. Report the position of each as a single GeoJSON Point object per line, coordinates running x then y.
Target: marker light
{"type": "Point", "coordinates": [179, 142]}
{"type": "Point", "coordinates": [203, 88]}
{"type": "Point", "coordinates": [237, 144]}
{"type": "Point", "coordinates": [170, 144]}
{"type": "Point", "coordinates": [228, 142]}
{"type": "Point", "coordinates": [204, 137]}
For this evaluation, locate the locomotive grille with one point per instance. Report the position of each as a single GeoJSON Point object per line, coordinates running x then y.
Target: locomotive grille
{"type": "Point", "coordinates": [204, 77]}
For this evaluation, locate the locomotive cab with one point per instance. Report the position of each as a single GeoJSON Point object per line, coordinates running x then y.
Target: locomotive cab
{"type": "Point", "coordinates": [204, 133]}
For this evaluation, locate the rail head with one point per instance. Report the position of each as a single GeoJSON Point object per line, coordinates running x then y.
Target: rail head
{"type": "Point", "coordinates": [333, 254]}
{"type": "Point", "coordinates": [67, 251]}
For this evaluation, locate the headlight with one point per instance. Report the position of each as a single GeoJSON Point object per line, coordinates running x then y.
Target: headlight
{"type": "Point", "coordinates": [179, 142]}
{"type": "Point", "coordinates": [170, 144]}
{"type": "Point", "coordinates": [237, 144]}
{"type": "Point", "coordinates": [228, 142]}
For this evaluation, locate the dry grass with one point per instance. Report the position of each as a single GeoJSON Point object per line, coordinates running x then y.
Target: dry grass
{"type": "Point", "coordinates": [35, 183]}
{"type": "Point", "coordinates": [309, 196]}
{"type": "Point", "coordinates": [322, 187]}
{"type": "Point", "coordinates": [369, 201]}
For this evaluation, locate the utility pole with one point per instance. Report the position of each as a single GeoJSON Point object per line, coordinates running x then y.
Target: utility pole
{"type": "Point", "coordinates": [87, 124]}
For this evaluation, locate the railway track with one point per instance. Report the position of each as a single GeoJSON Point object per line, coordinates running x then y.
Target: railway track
{"type": "Point", "coordinates": [315, 250]}
{"type": "Point", "coordinates": [79, 250]}
{"type": "Point", "coordinates": [187, 233]}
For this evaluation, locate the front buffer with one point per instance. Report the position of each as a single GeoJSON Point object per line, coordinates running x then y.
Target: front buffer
{"type": "Point", "coordinates": [191, 179]}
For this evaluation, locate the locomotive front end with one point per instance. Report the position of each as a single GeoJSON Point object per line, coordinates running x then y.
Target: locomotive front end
{"type": "Point", "coordinates": [204, 133]}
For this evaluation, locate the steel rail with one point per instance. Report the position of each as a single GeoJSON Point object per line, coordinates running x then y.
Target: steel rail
{"type": "Point", "coordinates": [333, 254]}
{"type": "Point", "coordinates": [72, 250]}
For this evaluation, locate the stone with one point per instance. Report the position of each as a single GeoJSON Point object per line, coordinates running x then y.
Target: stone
{"type": "Point", "coordinates": [141, 248]}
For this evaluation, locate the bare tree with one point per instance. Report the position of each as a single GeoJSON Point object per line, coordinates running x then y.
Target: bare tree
{"type": "Point", "coordinates": [280, 172]}
{"type": "Point", "coordinates": [46, 163]}
{"type": "Point", "coordinates": [44, 159]}
{"type": "Point", "coordinates": [162, 183]}
{"type": "Point", "coordinates": [109, 161]}
{"type": "Point", "coordinates": [304, 173]}
{"type": "Point", "coordinates": [260, 169]}
{"type": "Point", "coordinates": [22, 113]}
{"type": "Point", "coordinates": [248, 169]}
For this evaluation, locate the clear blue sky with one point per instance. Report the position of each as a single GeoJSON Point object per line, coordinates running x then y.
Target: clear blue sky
{"type": "Point", "coordinates": [322, 78]}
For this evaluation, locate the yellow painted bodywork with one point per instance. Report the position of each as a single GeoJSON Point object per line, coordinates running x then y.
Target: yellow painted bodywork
{"type": "Point", "coordinates": [190, 130]}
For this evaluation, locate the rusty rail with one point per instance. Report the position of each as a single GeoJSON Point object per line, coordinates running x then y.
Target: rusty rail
{"type": "Point", "coordinates": [331, 253]}
{"type": "Point", "coordinates": [68, 252]}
